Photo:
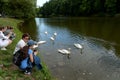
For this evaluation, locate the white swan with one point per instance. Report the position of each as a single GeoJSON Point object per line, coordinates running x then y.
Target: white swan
{"type": "Point", "coordinates": [35, 46]}
{"type": "Point", "coordinates": [64, 51]}
{"type": "Point", "coordinates": [38, 43]}
{"type": "Point", "coordinates": [79, 46]}
{"type": "Point", "coordinates": [52, 38]}
{"type": "Point", "coordinates": [55, 34]}
{"type": "Point", "coordinates": [41, 42]}
{"type": "Point", "coordinates": [46, 32]}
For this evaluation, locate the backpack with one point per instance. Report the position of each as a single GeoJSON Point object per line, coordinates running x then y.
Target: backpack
{"type": "Point", "coordinates": [20, 55]}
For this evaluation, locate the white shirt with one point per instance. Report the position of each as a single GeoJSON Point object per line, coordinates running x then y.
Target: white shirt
{"type": "Point", "coordinates": [19, 45]}
{"type": "Point", "coordinates": [2, 36]}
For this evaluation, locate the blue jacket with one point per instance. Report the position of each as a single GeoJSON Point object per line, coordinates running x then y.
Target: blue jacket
{"type": "Point", "coordinates": [37, 62]}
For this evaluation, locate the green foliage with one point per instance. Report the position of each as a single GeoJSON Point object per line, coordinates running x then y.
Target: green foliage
{"type": "Point", "coordinates": [18, 8]}
{"type": "Point", "coordinates": [85, 7]}
{"type": "Point", "coordinates": [80, 7]}
{"type": "Point", "coordinates": [111, 6]}
{"type": "Point", "coordinates": [38, 11]}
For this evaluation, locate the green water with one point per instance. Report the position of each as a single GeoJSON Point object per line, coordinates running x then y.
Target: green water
{"type": "Point", "coordinates": [99, 37]}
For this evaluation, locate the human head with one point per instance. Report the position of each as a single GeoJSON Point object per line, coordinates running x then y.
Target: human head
{"type": "Point", "coordinates": [11, 29]}
{"type": "Point", "coordinates": [8, 27]}
{"type": "Point", "coordinates": [26, 37]}
{"type": "Point", "coordinates": [3, 28]}
{"type": "Point", "coordinates": [31, 43]}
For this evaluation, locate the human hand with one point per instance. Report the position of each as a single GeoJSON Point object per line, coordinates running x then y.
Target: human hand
{"type": "Point", "coordinates": [35, 52]}
{"type": "Point", "coordinates": [10, 33]}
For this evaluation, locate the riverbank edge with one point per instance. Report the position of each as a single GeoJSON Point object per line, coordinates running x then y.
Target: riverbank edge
{"type": "Point", "coordinates": [8, 71]}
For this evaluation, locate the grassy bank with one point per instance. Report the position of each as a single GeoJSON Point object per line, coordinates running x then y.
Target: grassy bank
{"type": "Point", "coordinates": [9, 71]}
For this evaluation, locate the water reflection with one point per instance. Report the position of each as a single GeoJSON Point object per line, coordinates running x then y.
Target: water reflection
{"type": "Point", "coordinates": [30, 27]}
{"type": "Point", "coordinates": [103, 28]}
{"type": "Point", "coordinates": [100, 40]}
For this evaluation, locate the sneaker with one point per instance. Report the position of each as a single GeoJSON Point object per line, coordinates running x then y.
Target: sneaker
{"type": "Point", "coordinates": [26, 72]}
{"type": "Point", "coordinates": [1, 65]}
{"type": "Point", "coordinates": [3, 48]}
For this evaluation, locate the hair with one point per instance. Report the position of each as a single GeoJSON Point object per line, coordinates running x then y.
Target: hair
{"type": "Point", "coordinates": [25, 35]}
{"type": "Point", "coordinates": [24, 51]}
{"type": "Point", "coordinates": [1, 27]}
{"type": "Point", "coordinates": [9, 27]}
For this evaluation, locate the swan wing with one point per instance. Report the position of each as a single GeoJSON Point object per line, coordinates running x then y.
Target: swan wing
{"type": "Point", "coordinates": [46, 32]}
{"type": "Point", "coordinates": [41, 42]}
{"type": "Point", "coordinates": [35, 46]}
{"type": "Point", "coordinates": [51, 38]}
{"type": "Point", "coordinates": [55, 33]}
{"type": "Point", "coordinates": [66, 51]}
{"type": "Point", "coordinates": [61, 51]}
{"type": "Point", "coordinates": [78, 46]}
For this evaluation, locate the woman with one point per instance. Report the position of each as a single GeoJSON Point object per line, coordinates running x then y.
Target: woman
{"type": "Point", "coordinates": [4, 40]}
{"type": "Point", "coordinates": [26, 64]}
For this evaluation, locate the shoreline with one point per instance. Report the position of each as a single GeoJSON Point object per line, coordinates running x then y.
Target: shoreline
{"type": "Point", "coordinates": [8, 71]}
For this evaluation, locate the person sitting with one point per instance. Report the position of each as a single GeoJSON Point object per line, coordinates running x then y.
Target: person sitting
{"type": "Point", "coordinates": [22, 42]}
{"type": "Point", "coordinates": [8, 30]}
{"type": "Point", "coordinates": [13, 35]}
{"type": "Point", "coordinates": [4, 40]}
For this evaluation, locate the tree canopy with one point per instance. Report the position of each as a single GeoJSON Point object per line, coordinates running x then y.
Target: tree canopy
{"type": "Point", "coordinates": [18, 8]}
{"type": "Point", "coordinates": [80, 7]}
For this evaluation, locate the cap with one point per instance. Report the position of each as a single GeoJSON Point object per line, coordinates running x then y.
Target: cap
{"type": "Point", "coordinates": [31, 42]}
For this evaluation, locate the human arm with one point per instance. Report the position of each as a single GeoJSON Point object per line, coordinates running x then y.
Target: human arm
{"type": "Point", "coordinates": [31, 58]}
{"type": "Point", "coordinates": [30, 52]}
{"type": "Point", "coordinates": [3, 36]}
{"type": "Point", "coordinates": [10, 33]}
{"type": "Point", "coordinates": [35, 52]}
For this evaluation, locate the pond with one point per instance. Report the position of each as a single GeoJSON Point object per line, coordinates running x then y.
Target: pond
{"type": "Point", "coordinates": [97, 60]}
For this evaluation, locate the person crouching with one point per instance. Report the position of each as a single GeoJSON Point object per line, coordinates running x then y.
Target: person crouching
{"type": "Point", "coordinates": [26, 64]}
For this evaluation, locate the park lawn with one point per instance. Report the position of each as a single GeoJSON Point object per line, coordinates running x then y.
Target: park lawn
{"type": "Point", "coordinates": [9, 71]}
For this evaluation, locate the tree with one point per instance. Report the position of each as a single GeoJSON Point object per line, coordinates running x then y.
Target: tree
{"type": "Point", "coordinates": [80, 7]}
{"type": "Point", "coordinates": [111, 6]}
{"type": "Point", "coordinates": [22, 8]}
{"type": "Point", "coordinates": [18, 8]}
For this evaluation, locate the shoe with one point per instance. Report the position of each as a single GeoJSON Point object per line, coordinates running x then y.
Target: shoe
{"type": "Point", "coordinates": [26, 72]}
{"type": "Point", "coordinates": [3, 48]}
{"type": "Point", "coordinates": [1, 65]}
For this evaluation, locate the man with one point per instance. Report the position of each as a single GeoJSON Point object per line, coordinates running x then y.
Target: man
{"type": "Point", "coordinates": [22, 42]}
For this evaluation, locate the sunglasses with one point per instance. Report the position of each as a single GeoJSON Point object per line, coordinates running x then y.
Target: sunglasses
{"type": "Point", "coordinates": [27, 38]}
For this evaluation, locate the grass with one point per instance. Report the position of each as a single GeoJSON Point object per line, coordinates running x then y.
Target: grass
{"type": "Point", "coordinates": [9, 71]}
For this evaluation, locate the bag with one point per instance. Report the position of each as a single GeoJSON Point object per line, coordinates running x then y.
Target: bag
{"type": "Point", "coordinates": [17, 58]}
{"type": "Point", "coordinates": [20, 55]}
